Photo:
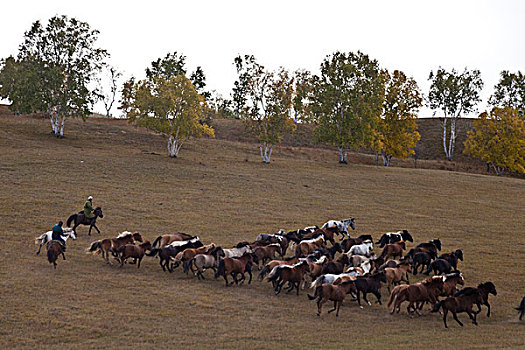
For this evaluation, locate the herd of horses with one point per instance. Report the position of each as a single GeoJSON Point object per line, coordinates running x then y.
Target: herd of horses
{"type": "Point", "coordinates": [331, 270]}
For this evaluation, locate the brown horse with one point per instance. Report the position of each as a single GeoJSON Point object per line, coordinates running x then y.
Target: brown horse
{"type": "Point", "coordinates": [328, 235]}
{"type": "Point", "coordinates": [305, 247]}
{"type": "Point", "coordinates": [462, 303]}
{"type": "Point", "coordinates": [235, 266]}
{"type": "Point", "coordinates": [164, 240]}
{"type": "Point", "coordinates": [107, 245]}
{"type": "Point", "coordinates": [189, 253]}
{"type": "Point", "coordinates": [335, 293]}
{"type": "Point", "coordinates": [484, 289]}
{"type": "Point", "coordinates": [133, 251]}
{"type": "Point", "coordinates": [393, 250]}
{"type": "Point", "coordinates": [292, 274]}
{"type": "Point", "coordinates": [270, 265]}
{"type": "Point", "coordinates": [427, 290]}
{"type": "Point", "coordinates": [267, 253]}
{"type": "Point", "coordinates": [54, 250]}
{"type": "Point", "coordinates": [396, 275]}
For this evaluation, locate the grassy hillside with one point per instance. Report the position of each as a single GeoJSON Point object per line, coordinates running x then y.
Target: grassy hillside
{"type": "Point", "coordinates": [219, 190]}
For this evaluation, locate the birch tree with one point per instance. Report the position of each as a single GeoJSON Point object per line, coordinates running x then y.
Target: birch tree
{"type": "Point", "coordinates": [397, 129]}
{"type": "Point", "coordinates": [170, 106]}
{"type": "Point", "coordinates": [107, 88]}
{"type": "Point", "coordinates": [509, 91]}
{"type": "Point", "coordinates": [268, 106]}
{"type": "Point", "coordinates": [455, 95]}
{"type": "Point", "coordinates": [60, 60]}
{"type": "Point", "coordinates": [347, 100]}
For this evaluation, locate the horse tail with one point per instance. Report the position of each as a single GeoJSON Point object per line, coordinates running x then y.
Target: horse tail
{"type": "Point", "coordinates": [393, 296]}
{"type": "Point", "coordinates": [275, 275]}
{"type": "Point", "coordinates": [50, 256]}
{"type": "Point", "coordinates": [264, 271]}
{"type": "Point", "coordinates": [94, 246]}
{"type": "Point", "coordinates": [156, 241]}
{"type": "Point", "coordinates": [318, 292]}
{"type": "Point", "coordinates": [153, 252]}
{"type": "Point", "coordinates": [70, 219]}
{"type": "Point", "coordinates": [220, 270]}
{"type": "Point", "coordinates": [187, 265]}
{"type": "Point", "coordinates": [39, 239]}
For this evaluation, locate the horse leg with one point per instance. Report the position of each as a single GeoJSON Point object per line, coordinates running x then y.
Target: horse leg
{"type": "Point", "coordinates": [378, 296]}
{"type": "Point", "coordinates": [364, 297]}
{"type": "Point", "coordinates": [234, 275]}
{"type": "Point", "coordinates": [96, 228]}
{"type": "Point", "coordinates": [63, 256]}
{"type": "Point", "coordinates": [456, 318]}
{"type": "Point", "coordinates": [320, 303]}
{"type": "Point", "coordinates": [291, 287]}
{"type": "Point", "coordinates": [297, 287]}
{"type": "Point", "coordinates": [139, 260]}
{"type": "Point", "coordinates": [335, 308]}
{"type": "Point", "coordinates": [359, 298]}
{"type": "Point", "coordinates": [40, 247]}
{"type": "Point", "coordinates": [249, 273]}
{"type": "Point", "coordinates": [473, 318]}
{"type": "Point", "coordinates": [445, 312]}
{"type": "Point", "coordinates": [488, 305]}
{"type": "Point", "coordinates": [226, 279]}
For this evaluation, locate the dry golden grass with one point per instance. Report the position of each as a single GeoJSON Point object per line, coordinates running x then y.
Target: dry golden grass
{"type": "Point", "coordinates": [219, 190]}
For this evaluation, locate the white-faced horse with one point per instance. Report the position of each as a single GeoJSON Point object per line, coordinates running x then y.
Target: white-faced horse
{"type": "Point", "coordinates": [48, 236]}
{"type": "Point", "coordinates": [340, 225]}
{"type": "Point", "coordinates": [365, 249]}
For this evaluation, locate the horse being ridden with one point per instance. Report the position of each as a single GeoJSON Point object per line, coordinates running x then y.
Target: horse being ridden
{"type": "Point", "coordinates": [48, 237]}
{"type": "Point", "coordinates": [81, 219]}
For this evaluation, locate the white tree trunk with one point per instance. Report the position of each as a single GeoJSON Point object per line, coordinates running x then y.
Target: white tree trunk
{"type": "Point", "coordinates": [53, 128]}
{"type": "Point", "coordinates": [386, 159]}
{"type": "Point", "coordinates": [343, 153]}
{"type": "Point", "coordinates": [452, 141]}
{"type": "Point", "coordinates": [62, 125]}
{"type": "Point", "coordinates": [174, 146]}
{"type": "Point", "coordinates": [266, 152]}
{"type": "Point", "coordinates": [445, 137]}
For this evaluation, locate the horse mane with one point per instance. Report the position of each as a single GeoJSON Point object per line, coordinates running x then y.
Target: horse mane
{"type": "Point", "coordinates": [485, 284]}
{"type": "Point", "coordinates": [124, 234]}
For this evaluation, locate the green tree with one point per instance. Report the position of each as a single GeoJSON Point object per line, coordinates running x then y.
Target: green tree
{"type": "Point", "coordinates": [455, 95]}
{"type": "Point", "coordinates": [397, 129]}
{"type": "Point", "coordinates": [498, 138]}
{"type": "Point", "coordinates": [245, 66]}
{"type": "Point", "coordinates": [509, 91]}
{"type": "Point", "coordinates": [174, 64]}
{"type": "Point", "coordinates": [170, 106]}
{"type": "Point", "coordinates": [304, 84]}
{"type": "Point", "coordinates": [346, 101]}
{"type": "Point", "coordinates": [268, 106]}
{"type": "Point", "coordinates": [56, 65]}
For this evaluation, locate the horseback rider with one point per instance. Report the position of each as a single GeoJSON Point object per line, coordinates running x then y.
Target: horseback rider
{"type": "Point", "coordinates": [57, 234]}
{"type": "Point", "coordinates": [88, 208]}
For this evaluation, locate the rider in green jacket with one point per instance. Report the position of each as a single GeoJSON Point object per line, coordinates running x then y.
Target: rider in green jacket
{"type": "Point", "coordinates": [88, 208]}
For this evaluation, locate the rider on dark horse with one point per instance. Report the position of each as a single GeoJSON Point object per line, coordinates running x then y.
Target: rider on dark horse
{"type": "Point", "coordinates": [88, 208]}
{"type": "Point", "coordinates": [57, 234]}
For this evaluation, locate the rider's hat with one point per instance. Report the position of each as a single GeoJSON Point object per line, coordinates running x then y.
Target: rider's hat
{"type": "Point", "coordinates": [90, 197]}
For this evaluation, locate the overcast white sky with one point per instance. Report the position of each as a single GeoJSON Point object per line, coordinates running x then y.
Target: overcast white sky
{"type": "Point", "coordinates": [413, 36]}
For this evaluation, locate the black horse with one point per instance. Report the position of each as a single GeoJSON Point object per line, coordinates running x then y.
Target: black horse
{"type": "Point", "coordinates": [439, 266]}
{"type": "Point", "coordinates": [422, 259]}
{"type": "Point", "coordinates": [370, 284]}
{"type": "Point", "coordinates": [170, 251]}
{"type": "Point", "coordinates": [521, 308]}
{"type": "Point", "coordinates": [80, 219]}
{"type": "Point", "coordinates": [453, 257]}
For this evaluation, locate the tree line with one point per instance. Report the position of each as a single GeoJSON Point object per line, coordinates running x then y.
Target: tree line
{"type": "Point", "coordinates": [353, 102]}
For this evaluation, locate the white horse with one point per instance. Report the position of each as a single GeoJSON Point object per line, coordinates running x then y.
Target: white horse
{"type": "Point", "coordinates": [181, 243]}
{"type": "Point", "coordinates": [237, 252]}
{"type": "Point", "coordinates": [331, 278]}
{"type": "Point", "coordinates": [342, 225]}
{"type": "Point", "coordinates": [48, 236]}
{"type": "Point", "coordinates": [365, 249]}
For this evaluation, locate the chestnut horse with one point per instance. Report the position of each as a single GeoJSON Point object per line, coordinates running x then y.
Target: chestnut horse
{"type": "Point", "coordinates": [427, 290]}
{"type": "Point", "coordinates": [235, 266]}
{"type": "Point", "coordinates": [267, 253]}
{"type": "Point", "coordinates": [305, 247]}
{"type": "Point", "coordinates": [396, 275]}
{"type": "Point", "coordinates": [269, 266]}
{"type": "Point", "coordinates": [107, 245]}
{"type": "Point", "coordinates": [393, 250]}
{"type": "Point", "coordinates": [335, 293]}
{"type": "Point", "coordinates": [133, 251]}
{"type": "Point", "coordinates": [484, 290]}
{"type": "Point", "coordinates": [292, 274]}
{"type": "Point", "coordinates": [462, 303]}
{"type": "Point", "coordinates": [54, 250]}
{"type": "Point", "coordinates": [164, 240]}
